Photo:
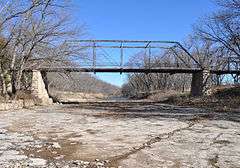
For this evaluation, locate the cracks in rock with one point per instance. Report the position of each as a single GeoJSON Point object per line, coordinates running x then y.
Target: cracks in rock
{"type": "Point", "coordinates": [114, 161]}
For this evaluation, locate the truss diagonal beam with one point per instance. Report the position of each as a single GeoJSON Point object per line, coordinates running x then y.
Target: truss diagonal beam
{"type": "Point", "coordinates": [129, 44]}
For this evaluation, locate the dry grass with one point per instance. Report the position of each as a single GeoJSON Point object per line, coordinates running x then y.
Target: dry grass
{"type": "Point", "coordinates": [224, 98]}
{"type": "Point", "coordinates": [24, 95]}
{"type": "Point", "coordinates": [165, 95]}
{"type": "Point", "coordinates": [62, 96]}
{"type": "Point", "coordinates": [21, 95]}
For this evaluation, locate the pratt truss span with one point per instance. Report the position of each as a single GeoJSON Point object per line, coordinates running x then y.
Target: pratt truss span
{"type": "Point", "coordinates": [136, 56]}
{"type": "Point", "coordinates": [139, 56]}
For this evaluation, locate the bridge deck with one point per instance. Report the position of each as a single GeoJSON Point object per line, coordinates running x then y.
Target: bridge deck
{"type": "Point", "coordinates": [139, 70]}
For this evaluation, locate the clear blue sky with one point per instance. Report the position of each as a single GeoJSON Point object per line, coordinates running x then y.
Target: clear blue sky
{"type": "Point", "coordinates": [139, 20]}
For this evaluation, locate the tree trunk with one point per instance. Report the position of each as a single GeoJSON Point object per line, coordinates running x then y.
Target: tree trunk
{"type": "Point", "coordinates": [18, 82]}
{"type": "Point", "coordinates": [3, 83]}
{"type": "Point", "coordinates": [13, 83]}
{"type": "Point", "coordinates": [4, 90]}
{"type": "Point", "coordinates": [17, 77]}
{"type": "Point", "coordinates": [12, 88]}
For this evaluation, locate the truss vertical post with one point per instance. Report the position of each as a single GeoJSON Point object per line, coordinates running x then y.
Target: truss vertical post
{"type": "Point", "coordinates": [238, 68]}
{"type": "Point", "coordinates": [94, 55]}
{"type": "Point", "coordinates": [149, 54]}
{"type": "Point", "coordinates": [149, 57]}
{"type": "Point", "coordinates": [121, 59]}
{"type": "Point", "coordinates": [229, 64]}
{"type": "Point", "coordinates": [218, 79]}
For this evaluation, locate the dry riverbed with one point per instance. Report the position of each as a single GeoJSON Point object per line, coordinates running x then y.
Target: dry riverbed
{"type": "Point", "coordinates": [127, 134]}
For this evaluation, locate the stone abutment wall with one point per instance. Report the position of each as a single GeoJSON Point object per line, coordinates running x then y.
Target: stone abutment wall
{"type": "Point", "coordinates": [200, 85]}
{"type": "Point", "coordinates": [39, 90]}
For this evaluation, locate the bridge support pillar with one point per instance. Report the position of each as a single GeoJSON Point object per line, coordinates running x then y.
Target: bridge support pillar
{"type": "Point", "coordinates": [200, 84]}
{"type": "Point", "coordinates": [39, 90]}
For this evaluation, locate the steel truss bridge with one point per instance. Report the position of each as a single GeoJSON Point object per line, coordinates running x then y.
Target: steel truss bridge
{"type": "Point", "coordinates": [137, 56]}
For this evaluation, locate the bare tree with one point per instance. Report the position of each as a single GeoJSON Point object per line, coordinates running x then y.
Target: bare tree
{"type": "Point", "coordinates": [35, 30]}
{"type": "Point", "coordinates": [144, 84]}
{"type": "Point", "coordinates": [222, 28]}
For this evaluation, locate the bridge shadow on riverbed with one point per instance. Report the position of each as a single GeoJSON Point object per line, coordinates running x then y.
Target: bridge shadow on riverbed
{"type": "Point", "coordinates": [143, 109]}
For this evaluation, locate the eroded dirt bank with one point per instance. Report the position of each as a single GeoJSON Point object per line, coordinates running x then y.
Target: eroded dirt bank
{"type": "Point", "coordinates": [126, 134]}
